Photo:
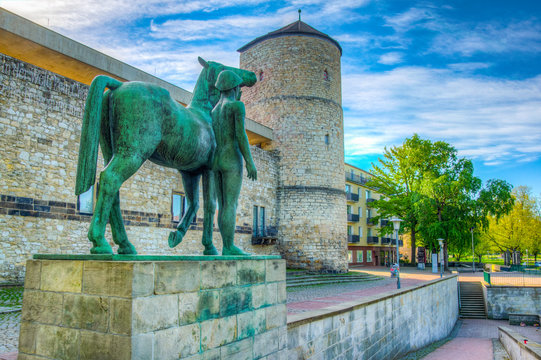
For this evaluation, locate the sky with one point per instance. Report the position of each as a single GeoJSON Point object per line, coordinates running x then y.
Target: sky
{"type": "Point", "coordinates": [465, 72]}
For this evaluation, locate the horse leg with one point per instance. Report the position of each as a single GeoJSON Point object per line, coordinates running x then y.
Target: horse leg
{"type": "Point", "coordinates": [209, 203]}
{"type": "Point", "coordinates": [191, 191]}
{"type": "Point", "coordinates": [119, 169]}
{"type": "Point", "coordinates": [115, 218]}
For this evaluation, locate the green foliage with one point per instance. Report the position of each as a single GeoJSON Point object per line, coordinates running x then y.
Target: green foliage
{"type": "Point", "coordinates": [436, 193]}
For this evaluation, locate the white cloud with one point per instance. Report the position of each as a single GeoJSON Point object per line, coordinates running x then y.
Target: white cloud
{"type": "Point", "coordinates": [391, 58]}
{"type": "Point", "coordinates": [489, 119]}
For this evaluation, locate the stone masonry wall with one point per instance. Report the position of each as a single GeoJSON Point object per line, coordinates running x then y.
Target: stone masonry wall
{"type": "Point", "coordinates": [304, 109]}
{"type": "Point", "coordinates": [40, 122]}
{"type": "Point", "coordinates": [503, 300]}
{"type": "Point", "coordinates": [386, 327]}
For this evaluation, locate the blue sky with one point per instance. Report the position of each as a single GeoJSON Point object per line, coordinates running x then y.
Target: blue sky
{"type": "Point", "coordinates": [466, 72]}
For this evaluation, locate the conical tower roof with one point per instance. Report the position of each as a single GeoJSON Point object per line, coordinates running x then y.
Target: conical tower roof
{"type": "Point", "coordinates": [298, 28]}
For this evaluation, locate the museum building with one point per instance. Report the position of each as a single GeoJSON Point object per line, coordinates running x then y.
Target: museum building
{"type": "Point", "coordinates": [294, 125]}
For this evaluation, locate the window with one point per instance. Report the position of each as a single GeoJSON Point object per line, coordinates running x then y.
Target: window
{"type": "Point", "coordinates": [360, 256]}
{"type": "Point", "coordinates": [327, 139]}
{"type": "Point", "coordinates": [368, 213]}
{"type": "Point", "coordinates": [348, 188]}
{"type": "Point", "coordinates": [85, 201]}
{"type": "Point", "coordinates": [360, 231]}
{"type": "Point", "coordinates": [368, 194]}
{"type": "Point", "coordinates": [349, 209]}
{"type": "Point", "coordinates": [368, 255]}
{"type": "Point", "coordinates": [350, 256]}
{"type": "Point", "coordinates": [360, 212]}
{"type": "Point", "coordinates": [350, 230]}
{"type": "Point", "coordinates": [359, 192]}
{"type": "Point", "coordinates": [258, 221]}
{"type": "Point", "coordinates": [178, 206]}
{"type": "Point", "coordinates": [369, 232]}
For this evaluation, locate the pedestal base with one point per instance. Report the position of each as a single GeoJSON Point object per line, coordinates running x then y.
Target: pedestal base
{"type": "Point", "coordinates": [190, 307]}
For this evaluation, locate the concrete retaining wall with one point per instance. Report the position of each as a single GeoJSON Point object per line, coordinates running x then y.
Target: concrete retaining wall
{"type": "Point", "coordinates": [514, 345]}
{"type": "Point", "coordinates": [382, 327]}
{"type": "Point", "coordinates": [502, 300]}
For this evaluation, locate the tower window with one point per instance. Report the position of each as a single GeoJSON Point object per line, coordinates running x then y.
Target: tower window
{"type": "Point", "coordinates": [327, 140]}
{"type": "Point", "coordinates": [325, 75]}
{"type": "Point", "coordinates": [178, 206]}
{"type": "Point", "coordinates": [261, 75]}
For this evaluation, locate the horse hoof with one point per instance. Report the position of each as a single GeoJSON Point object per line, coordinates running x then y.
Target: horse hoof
{"type": "Point", "coordinates": [101, 250]}
{"type": "Point", "coordinates": [127, 250]}
{"type": "Point", "coordinates": [174, 239]}
{"type": "Point", "coordinates": [233, 250]}
{"type": "Point", "coordinates": [211, 250]}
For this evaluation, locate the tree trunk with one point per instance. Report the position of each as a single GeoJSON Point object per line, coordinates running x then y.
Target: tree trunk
{"type": "Point", "coordinates": [413, 246]}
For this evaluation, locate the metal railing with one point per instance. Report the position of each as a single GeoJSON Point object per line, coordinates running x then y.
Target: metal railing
{"type": "Point", "coordinates": [357, 178]}
{"type": "Point", "coordinates": [354, 238]}
{"type": "Point", "coordinates": [353, 217]}
{"type": "Point", "coordinates": [371, 221]}
{"type": "Point", "coordinates": [372, 240]}
{"type": "Point", "coordinates": [513, 278]}
{"type": "Point", "coordinates": [386, 240]}
{"type": "Point", "coordinates": [352, 197]}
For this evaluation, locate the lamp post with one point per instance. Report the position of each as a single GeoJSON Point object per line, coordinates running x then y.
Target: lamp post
{"type": "Point", "coordinates": [472, 250]}
{"type": "Point", "coordinates": [441, 254]}
{"type": "Point", "coordinates": [396, 224]}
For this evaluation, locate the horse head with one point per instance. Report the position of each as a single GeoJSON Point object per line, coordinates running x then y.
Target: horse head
{"type": "Point", "coordinates": [213, 68]}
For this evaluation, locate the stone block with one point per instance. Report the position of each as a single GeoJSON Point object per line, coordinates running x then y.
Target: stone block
{"type": "Point", "coordinates": [245, 325]}
{"type": "Point", "coordinates": [260, 321]}
{"type": "Point", "coordinates": [271, 293]}
{"type": "Point", "coordinates": [42, 306]}
{"type": "Point", "coordinates": [281, 293]}
{"type": "Point", "coordinates": [174, 277]}
{"type": "Point", "coordinates": [177, 342]}
{"type": "Point", "coordinates": [208, 305]}
{"type": "Point", "coordinates": [142, 346]}
{"type": "Point", "coordinates": [187, 308]}
{"type": "Point", "coordinates": [275, 316]}
{"type": "Point", "coordinates": [218, 332]}
{"type": "Point", "coordinates": [120, 315]}
{"type": "Point", "coordinates": [57, 342]}
{"type": "Point", "coordinates": [122, 279]}
{"type": "Point", "coordinates": [234, 300]}
{"type": "Point", "coordinates": [153, 313]}
{"type": "Point", "coordinates": [218, 274]}
{"type": "Point", "coordinates": [238, 350]}
{"type": "Point", "coordinates": [61, 276]}
{"type": "Point", "coordinates": [86, 312]}
{"type": "Point", "coordinates": [266, 343]}
{"type": "Point", "coordinates": [250, 272]}
{"type": "Point", "coordinates": [32, 278]}
{"type": "Point", "coordinates": [27, 337]}
{"type": "Point", "coordinates": [111, 347]}
{"type": "Point", "coordinates": [275, 270]}
{"type": "Point", "coordinates": [259, 296]}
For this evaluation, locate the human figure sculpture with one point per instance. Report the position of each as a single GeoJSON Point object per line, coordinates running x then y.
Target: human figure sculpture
{"type": "Point", "coordinates": [134, 122]}
{"type": "Point", "coordinates": [231, 146]}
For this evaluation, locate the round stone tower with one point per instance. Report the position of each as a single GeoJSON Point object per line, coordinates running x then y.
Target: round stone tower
{"type": "Point", "coordinates": [298, 95]}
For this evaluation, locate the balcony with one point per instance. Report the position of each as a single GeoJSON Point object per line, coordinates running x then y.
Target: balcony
{"type": "Point", "coordinates": [386, 240]}
{"type": "Point", "coordinates": [371, 221]}
{"type": "Point", "coordinates": [353, 217]}
{"type": "Point", "coordinates": [400, 242]}
{"type": "Point", "coordinates": [264, 236]}
{"type": "Point", "coordinates": [384, 223]}
{"type": "Point", "coordinates": [352, 197]}
{"type": "Point", "coordinates": [357, 178]}
{"type": "Point", "coordinates": [354, 238]}
{"type": "Point", "coordinates": [369, 200]}
{"type": "Point", "coordinates": [372, 240]}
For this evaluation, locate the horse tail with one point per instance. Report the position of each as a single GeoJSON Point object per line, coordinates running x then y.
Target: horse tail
{"type": "Point", "coordinates": [90, 132]}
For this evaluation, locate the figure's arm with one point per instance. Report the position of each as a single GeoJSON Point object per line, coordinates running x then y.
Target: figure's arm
{"type": "Point", "coordinates": [242, 140]}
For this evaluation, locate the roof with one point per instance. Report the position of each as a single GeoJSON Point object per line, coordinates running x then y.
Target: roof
{"type": "Point", "coordinates": [298, 28]}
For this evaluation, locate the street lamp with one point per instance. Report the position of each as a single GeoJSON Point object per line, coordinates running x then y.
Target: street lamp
{"type": "Point", "coordinates": [472, 250]}
{"type": "Point", "coordinates": [396, 224]}
{"type": "Point", "coordinates": [441, 254]}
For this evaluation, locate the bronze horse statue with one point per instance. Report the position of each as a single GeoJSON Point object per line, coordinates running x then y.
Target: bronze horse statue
{"type": "Point", "coordinates": [133, 122]}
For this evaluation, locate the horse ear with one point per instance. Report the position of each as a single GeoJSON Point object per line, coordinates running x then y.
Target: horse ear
{"type": "Point", "coordinates": [203, 62]}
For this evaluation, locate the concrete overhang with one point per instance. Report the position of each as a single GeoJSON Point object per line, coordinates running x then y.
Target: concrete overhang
{"type": "Point", "coordinates": [27, 41]}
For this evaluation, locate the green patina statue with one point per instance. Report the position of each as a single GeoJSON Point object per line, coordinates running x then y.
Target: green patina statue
{"type": "Point", "coordinates": [136, 121]}
{"type": "Point", "coordinates": [231, 146]}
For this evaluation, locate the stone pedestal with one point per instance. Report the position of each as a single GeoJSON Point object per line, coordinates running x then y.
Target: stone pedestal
{"type": "Point", "coordinates": [154, 307]}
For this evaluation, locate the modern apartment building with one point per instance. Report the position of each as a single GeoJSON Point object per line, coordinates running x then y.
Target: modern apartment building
{"type": "Point", "coordinates": [366, 246]}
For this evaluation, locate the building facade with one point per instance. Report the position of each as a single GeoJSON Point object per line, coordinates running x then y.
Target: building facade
{"type": "Point", "coordinates": [366, 245]}
{"type": "Point", "coordinates": [44, 80]}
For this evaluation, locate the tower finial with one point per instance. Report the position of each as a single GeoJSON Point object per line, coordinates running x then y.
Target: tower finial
{"type": "Point", "coordinates": [299, 14]}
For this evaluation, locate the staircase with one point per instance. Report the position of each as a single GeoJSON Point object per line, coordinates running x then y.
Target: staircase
{"type": "Point", "coordinates": [301, 278]}
{"type": "Point", "coordinates": [472, 300]}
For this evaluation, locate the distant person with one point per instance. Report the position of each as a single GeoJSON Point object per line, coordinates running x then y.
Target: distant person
{"type": "Point", "coordinates": [231, 146]}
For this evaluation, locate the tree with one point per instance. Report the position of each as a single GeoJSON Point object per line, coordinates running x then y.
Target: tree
{"type": "Point", "coordinates": [436, 193]}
